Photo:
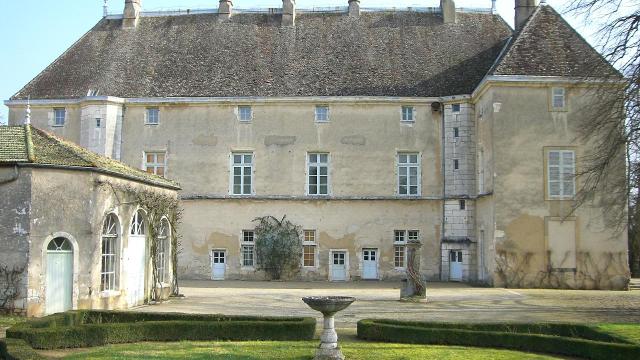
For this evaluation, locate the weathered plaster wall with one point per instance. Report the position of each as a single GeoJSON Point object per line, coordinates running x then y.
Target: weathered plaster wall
{"type": "Point", "coordinates": [43, 117]}
{"type": "Point", "coordinates": [15, 208]}
{"type": "Point", "coordinates": [350, 225]}
{"type": "Point", "coordinates": [524, 126]}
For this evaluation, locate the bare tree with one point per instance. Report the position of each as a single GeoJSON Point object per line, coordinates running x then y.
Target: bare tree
{"type": "Point", "coordinates": [611, 123]}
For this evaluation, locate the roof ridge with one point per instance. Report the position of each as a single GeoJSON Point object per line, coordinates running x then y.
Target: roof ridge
{"type": "Point", "coordinates": [29, 143]}
{"type": "Point", "coordinates": [73, 148]}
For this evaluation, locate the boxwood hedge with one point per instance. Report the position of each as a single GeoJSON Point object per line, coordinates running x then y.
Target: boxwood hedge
{"type": "Point", "coordinates": [563, 339]}
{"type": "Point", "coordinates": [86, 328]}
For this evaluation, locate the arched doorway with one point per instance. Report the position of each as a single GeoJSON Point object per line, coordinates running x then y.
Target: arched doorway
{"type": "Point", "coordinates": [136, 260]}
{"type": "Point", "coordinates": [59, 285]}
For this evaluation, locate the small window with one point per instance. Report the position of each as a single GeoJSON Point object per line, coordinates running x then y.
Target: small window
{"type": "Point", "coordinates": [413, 235]}
{"type": "Point", "coordinates": [242, 173]}
{"type": "Point", "coordinates": [399, 246]}
{"type": "Point", "coordinates": [155, 163]}
{"type": "Point", "coordinates": [558, 99]}
{"type": "Point", "coordinates": [59, 116]}
{"type": "Point", "coordinates": [248, 236]}
{"type": "Point", "coordinates": [456, 132]}
{"type": "Point", "coordinates": [137, 223]}
{"type": "Point", "coordinates": [98, 121]}
{"type": "Point", "coordinates": [408, 114]}
{"type": "Point", "coordinates": [322, 113]}
{"type": "Point", "coordinates": [456, 164]}
{"type": "Point", "coordinates": [245, 113]}
{"type": "Point", "coordinates": [455, 108]}
{"type": "Point", "coordinates": [318, 174]}
{"type": "Point", "coordinates": [309, 249]}
{"type": "Point", "coordinates": [400, 237]}
{"type": "Point", "coordinates": [153, 116]}
{"type": "Point", "coordinates": [109, 261]}
{"type": "Point", "coordinates": [463, 204]}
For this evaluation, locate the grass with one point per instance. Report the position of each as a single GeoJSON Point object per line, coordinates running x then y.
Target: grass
{"type": "Point", "coordinates": [10, 320]}
{"type": "Point", "coordinates": [353, 350]}
{"type": "Point", "coordinates": [628, 332]}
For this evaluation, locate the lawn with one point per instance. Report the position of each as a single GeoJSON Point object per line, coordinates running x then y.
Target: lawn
{"type": "Point", "coordinates": [9, 320]}
{"type": "Point", "coordinates": [353, 350]}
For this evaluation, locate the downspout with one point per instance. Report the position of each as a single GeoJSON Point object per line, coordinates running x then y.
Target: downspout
{"type": "Point", "coordinates": [444, 184]}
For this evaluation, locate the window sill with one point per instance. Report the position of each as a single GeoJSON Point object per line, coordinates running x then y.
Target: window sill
{"type": "Point", "coordinates": [248, 268]}
{"type": "Point", "coordinates": [110, 293]}
{"type": "Point", "coordinates": [409, 122]}
{"type": "Point", "coordinates": [401, 269]}
{"type": "Point", "coordinates": [322, 122]}
{"type": "Point", "coordinates": [152, 124]}
{"type": "Point", "coordinates": [57, 126]}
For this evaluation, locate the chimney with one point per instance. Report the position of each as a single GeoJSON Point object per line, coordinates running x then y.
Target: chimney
{"type": "Point", "coordinates": [224, 9]}
{"type": "Point", "coordinates": [524, 9]}
{"type": "Point", "coordinates": [288, 12]}
{"type": "Point", "coordinates": [131, 13]}
{"type": "Point", "coordinates": [448, 8]}
{"type": "Point", "coordinates": [354, 8]}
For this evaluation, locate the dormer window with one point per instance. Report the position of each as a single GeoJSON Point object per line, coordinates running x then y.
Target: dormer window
{"type": "Point", "coordinates": [558, 98]}
{"type": "Point", "coordinates": [408, 114]}
{"type": "Point", "coordinates": [153, 116]}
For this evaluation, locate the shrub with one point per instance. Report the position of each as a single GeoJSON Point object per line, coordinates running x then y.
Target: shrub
{"type": "Point", "coordinates": [17, 349]}
{"type": "Point", "coordinates": [569, 340]}
{"type": "Point", "coordinates": [278, 246]}
{"type": "Point", "coordinates": [95, 328]}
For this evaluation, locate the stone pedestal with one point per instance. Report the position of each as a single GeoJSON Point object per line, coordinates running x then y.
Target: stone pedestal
{"type": "Point", "coordinates": [328, 306]}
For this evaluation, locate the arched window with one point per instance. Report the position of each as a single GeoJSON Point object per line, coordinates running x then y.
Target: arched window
{"type": "Point", "coordinates": [110, 243]}
{"type": "Point", "coordinates": [137, 224]}
{"type": "Point", "coordinates": [163, 245]}
{"type": "Point", "coordinates": [59, 244]}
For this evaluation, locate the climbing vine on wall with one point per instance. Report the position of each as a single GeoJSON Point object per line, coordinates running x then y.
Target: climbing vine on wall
{"type": "Point", "coordinates": [158, 207]}
{"type": "Point", "coordinates": [10, 278]}
{"type": "Point", "coordinates": [278, 246]}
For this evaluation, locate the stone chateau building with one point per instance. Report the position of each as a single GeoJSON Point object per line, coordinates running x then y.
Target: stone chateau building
{"type": "Point", "coordinates": [367, 127]}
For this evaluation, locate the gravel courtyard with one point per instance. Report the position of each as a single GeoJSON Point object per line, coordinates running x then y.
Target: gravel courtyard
{"type": "Point", "coordinates": [446, 302]}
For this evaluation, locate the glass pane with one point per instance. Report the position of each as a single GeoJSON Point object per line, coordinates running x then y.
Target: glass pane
{"type": "Point", "coordinates": [247, 180]}
{"type": "Point", "coordinates": [247, 159]}
{"type": "Point", "coordinates": [313, 180]}
{"type": "Point", "coordinates": [413, 171]}
{"type": "Point", "coordinates": [403, 190]}
{"type": "Point", "coordinates": [313, 158]}
{"type": "Point", "coordinates": [237, 159]}
{"type": "Point", "coordinates": [150, 158]}
{"type": "Point", "coordinates": [414, 159]}
{"type": "Point", "coordinates": [324, 158]}
{"type": "Point", "coordinates": [403, 180]}
{"type": "Point", "coordinates": [237, 171]}
{"type": "Point", "coordinates": [554, 173]}
{"type": "Point", "coordinates": [324, 190]}
{"type": "Point", "coordinates": [554, 158]}
{"type": "Point", "coordinates": [313, 170]}
{"type": "Point", "coordinates": [568, 188]}
{"type": "Point", "coordinates": [160, 158]}
{"type": "Point", "coordinates": [413, 190]}
{"type": "Point", "coordinates": [247, 189]}
{"type": "Point", "coordinates": [160, 171]}
{"type": "Point", "coordinates": [324, 170]}
{"type": "Point", "coordinates": [247, 170]}
{"type": "Point", "coordinates": [236, 189]}
{"type": "Point", "coordinates": [323, 180]}
{"type": "Point", "coordinates": [313, 189]}
{"type": "Point", "coordinates": [402, 171]}
{"type": "Point", "coordinates": [402, 159]}
{"type": "Point", "coordinates": [554, 188]}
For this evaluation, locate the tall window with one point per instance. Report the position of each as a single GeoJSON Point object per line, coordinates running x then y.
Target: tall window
{"type": "Point", "coordinates": [408, 174]}
{"type": "Point", "coordinates": [399, 249]}
{"type": "Point", "coordinates": [155, 163]}
{"type": "Point", "coordinates": [137, 223]}
{"type": "Point", "coordinates": [322, 113]}
{"type": "Point", "coordinates": [245, 113]}
{"type": "Point", "coordinates": [163, 245]}
{"type": "Point", "coordinates": [153, 116]}
{"type": "Point", "coordinates": [242, 173]}
{"type": "Point", "coordinates": [558, 98]}
{"type": "Point", "coordinates": [318, 170]}
{"type": "Point", "coordinates": [59, 116]}
{"type": "Point", "coordinates": [408, 113]}
{"type": "Point", "coordinates": [561, 169]}
{"type": "Point", "coordinates": [248, 248]}
{"type": "Point", "coordinates": [309, 249]}
{"type": "Point", "coordinates": [109, 253]}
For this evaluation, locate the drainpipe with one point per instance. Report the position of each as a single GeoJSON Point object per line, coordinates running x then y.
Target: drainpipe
{"type": "Point", "coordinates": [12, 177]}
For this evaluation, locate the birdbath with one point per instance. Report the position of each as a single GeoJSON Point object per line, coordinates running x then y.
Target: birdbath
{"type": "Point", "coordinates": [328, 306]}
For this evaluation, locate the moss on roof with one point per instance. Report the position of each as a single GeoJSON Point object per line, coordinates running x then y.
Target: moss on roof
{"type": "Point", "coordinates": [30, 145]}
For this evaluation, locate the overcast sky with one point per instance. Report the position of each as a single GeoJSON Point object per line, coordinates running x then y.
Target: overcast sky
{"type": "Point", "coordinates": [36, 32]}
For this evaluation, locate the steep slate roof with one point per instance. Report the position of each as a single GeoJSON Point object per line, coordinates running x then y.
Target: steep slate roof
{"type": "Point", "coordinates": [548, 46]}
{"type": "Point", "coordinates": [30, 145]}
{"type": "Point", "coordinates": [325, 54]}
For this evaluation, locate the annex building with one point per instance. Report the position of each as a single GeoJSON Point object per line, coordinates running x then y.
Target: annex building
{"type": "Point", "coordinates": [367, 127]}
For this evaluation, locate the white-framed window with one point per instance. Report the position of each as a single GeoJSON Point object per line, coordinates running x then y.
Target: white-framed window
{"type": "Point", "coordinates": [455, 108]}
{"type": "Point", "coordinates": [408, 174]}
{"type": "Point", "coordinates": [137, 223]}
{"type": "Point", "coordinates": [109, 253]}
{"type": "Point", "coordinates": [558, 98]}
{"type": "Point", "coordinates": [163, 245]}
{"type": "Point", "coordinates": [400, 249]}
{"type": "Point", "coordinates": [242, 173]}
{"type": "Point", "coordinates": [318, 174]}
{"type": "Point", "coordinates": [309, 248]}
{"type": "Point", "coordinates": [155, 162]}
{"type": "Point", "coordinates": [561, 173]}
{"type": "Point", "coordinates": [59, 116]}
{"type": "Point", "coordinates": [153, 116]}
{"type": "Point", "coordinates": [248, 248]}
{"type": "Point", "coordinates": [322, 113]}
{"type": "Point", "coordinates": [408, 114]}
{"type": "Point", "coordinates": [245, 113]}
{"type": "Point", "coordinates": [413, 235]}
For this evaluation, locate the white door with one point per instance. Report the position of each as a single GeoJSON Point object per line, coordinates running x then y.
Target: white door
{"type": "Point", "coordinates": [135, 269]}
{"type": "Point", "coordinates": [370, 264]}
{"type": "Point", "coordinates": [339, 266]}
{"type": "Point", "coordinates": [218, 264]}
{"type": "Point", "coordinates": [59, 276]}
{"type": "Point", "coordinates": [455, 265]}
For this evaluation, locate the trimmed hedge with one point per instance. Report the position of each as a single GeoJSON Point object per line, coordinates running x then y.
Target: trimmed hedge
{"type": "Point", "coordinates": [562, 339]}
{"type": "Point", "coordinates": [20, 350]}
{"type": "Point", "coordinates": [96, 328]}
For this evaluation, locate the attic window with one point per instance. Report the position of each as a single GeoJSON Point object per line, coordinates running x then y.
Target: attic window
{"type": "Point", "coordinates": [59, 116]}
{"type": "Point", "coordinates": [456, 164]}
{"type": "Point", "coordinates": [456, 132]}
{"type": "Point", "coordinates": [558, 98]}
{"type": "Point", "coordinates": [463, 204]}
{"type": "Point", "coordinates": [322, 113]}
{"type": "Point", "coordinates": [153, 116]}
{"type": "Point", "coordinates": [408, 114]}
{"type": "Point", "coordinates": [93, 92]}
{"type": "Point", "coordinates": [455, 108]}
{"type": "Point", "coordinates": [245, 113]}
